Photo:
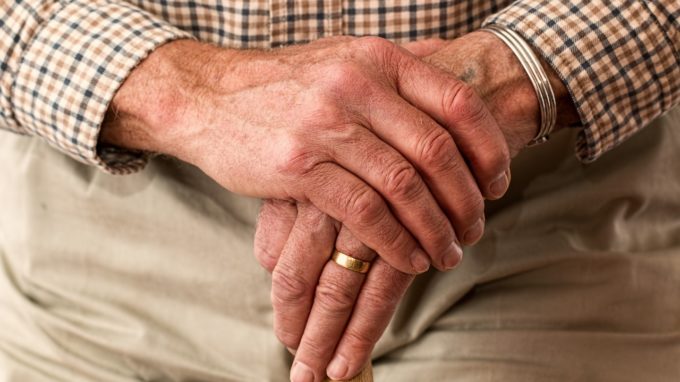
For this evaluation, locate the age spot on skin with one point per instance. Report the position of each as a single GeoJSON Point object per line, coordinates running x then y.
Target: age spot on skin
{"type": "Point", "coordinates": [468, 75]}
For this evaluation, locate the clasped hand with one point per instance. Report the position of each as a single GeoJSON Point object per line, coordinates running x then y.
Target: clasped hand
{"type": "Point", "coordinates": [367, 133]}
{"type": "Point", "coordinates": [354, 138]}
{"type": "Point", "coordinates": [331, 317]}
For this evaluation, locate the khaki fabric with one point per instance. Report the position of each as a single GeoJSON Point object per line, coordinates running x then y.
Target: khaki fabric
{"type": "Point", "coordinates": [151, 276]}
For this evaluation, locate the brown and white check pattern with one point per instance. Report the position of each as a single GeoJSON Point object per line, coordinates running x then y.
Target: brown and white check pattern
{"type": "Point", "coordinates": [61, 61]}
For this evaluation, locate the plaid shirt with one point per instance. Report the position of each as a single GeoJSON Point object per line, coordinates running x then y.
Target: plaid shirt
{"type": "Point", "coordinates": [61, 61]}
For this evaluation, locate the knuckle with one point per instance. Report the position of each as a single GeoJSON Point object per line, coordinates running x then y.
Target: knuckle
{"type": "Point", "coordinates": [312, 222]}
{"type": "Point", "coordinates": [344, 77]}
{"type": "Point", "coordinates": [349, 244]}
{"type": "Point", "coordinates": [381, 51]}
{"type": "Point", "coordinates": [288, 287]}
{"type": "Point", "coordinates": [437, 149]}
{"type": "Point", "coordinates": [373, 44]}
{"type": "Point", "coordinates": [360, 342]}
{"type": "Point", "coordinates": [333, 299]}
{"type": "Point", "coordinates": [286, 337]}
{"type": "Point", "coordinates": [349, 134]}
{"type": "Point", "coordinates": [463, 103]}
{"type": "Point", "coordinates": [504, 158]}
{"type": "Point", "coordinates": [491, 158]}
{"type": "Point", "coordinates": [384, 297]}
{"type": "Point", "coordinates": [324, 111]}
{"type": "Point", "coordinates": [439, 240]}
{"type": "Point", "coordinates": [497, 161]}
{"type": "Point", "coordinates": [396, 243]}
{"type": "Point", "coordinates": [498, 154]}
{"type": "Point", "coordinates": [316, 348]}
{"type": "Point", "coordinates": [402, 182]}
{"type": "Point", "coordinates": [364, 205]}
{"type": "Point", "coordinates": [473, 210]}
{"type": "Point", "coordinates": [264, 256]}
{"type": "Point", "coordinates": [299, 157]}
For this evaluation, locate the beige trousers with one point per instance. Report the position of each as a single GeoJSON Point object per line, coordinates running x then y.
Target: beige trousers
{"type": "Point", "coordinates": [151, 276]}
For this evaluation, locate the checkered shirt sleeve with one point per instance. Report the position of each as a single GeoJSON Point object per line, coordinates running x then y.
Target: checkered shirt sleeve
{"type": "Point", "coordinates": [620, 60]}
{"type": "Point", "coordinates": [61, 62]}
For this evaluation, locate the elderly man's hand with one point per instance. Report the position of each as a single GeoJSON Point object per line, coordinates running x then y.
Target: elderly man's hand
{"type": "Point", "coordinates": [358, 127]}
{"type": "Point", "coordinates": [332, 313]}
{"type": "Point", "coordinates": [328, 309]}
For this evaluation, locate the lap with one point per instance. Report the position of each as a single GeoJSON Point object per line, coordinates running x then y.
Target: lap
{"type": "Point", "coordinates": [142, 277]}
{"type": "Point", "coordinates": [151, 276]}
{"type": "Point", "coordinates": [577, 277]}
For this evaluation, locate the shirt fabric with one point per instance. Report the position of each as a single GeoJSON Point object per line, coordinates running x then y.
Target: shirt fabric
{"type": "Point", "coordinates": [61, 61]}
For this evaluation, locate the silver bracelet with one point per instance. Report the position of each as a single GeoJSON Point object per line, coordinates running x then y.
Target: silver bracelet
{"type": "Point", "coordinates": [537, 76]}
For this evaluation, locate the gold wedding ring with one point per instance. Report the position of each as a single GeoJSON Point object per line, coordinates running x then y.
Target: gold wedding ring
{"type": "Point", "coordinates": [349, 262]}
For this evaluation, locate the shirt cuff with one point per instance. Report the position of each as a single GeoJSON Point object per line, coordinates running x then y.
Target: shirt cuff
{"type": "Point", "coordinates": [615, 58]}
{"type": "Point", "coordinates": [72, 68]}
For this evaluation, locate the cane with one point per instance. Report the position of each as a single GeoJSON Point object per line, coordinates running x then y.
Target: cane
{"type": "Point", "coordinates": [366, 375]}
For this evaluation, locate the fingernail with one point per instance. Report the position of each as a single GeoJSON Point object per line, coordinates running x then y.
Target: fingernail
{"type": "Point", "coordinates": [474, 233]}
{"type": "Point", "coordinates": [453, 256]}
{"type": "Point", "coordinates": [499, 186]}
{"type": "Point", "coordinates": [292, 351]}
{"type": "Point", "coordinates": [337, 369]}
{"type": "Point", "coordinates": [301, 373]}
{"type": "Point", "coordinates": [419, 261]}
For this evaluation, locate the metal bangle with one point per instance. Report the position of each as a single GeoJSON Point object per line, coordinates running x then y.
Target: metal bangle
{"type": "Point", "coordinates": [539, 79]}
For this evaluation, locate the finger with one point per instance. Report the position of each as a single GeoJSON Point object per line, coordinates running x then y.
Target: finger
{"type": "Point", "coordinates": [457, 107]}
{"type": "Point", "coordinates": [274, 223]}
{"type": "Point", "coordinates": [434, 153]}
{"type": "Point", "coordinates": [423, 48]}
{"type": "Point", "coordinates": [296, 273]}
{"type": "Point", "coordinates": [349, 200]}
{"type": "Point", "coordinates": [335, 296]}
{"type": "Point", "coordinates": [378, 299]}
{"type": "Point", "coordinates": [384, 168]}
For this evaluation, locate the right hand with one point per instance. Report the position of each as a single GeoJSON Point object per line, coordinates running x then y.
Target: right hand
{"type": "Point", "coordinates": [359, 127]}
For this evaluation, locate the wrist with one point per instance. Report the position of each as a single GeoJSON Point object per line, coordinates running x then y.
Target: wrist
{"type": "Point", "coordinates": [486, 63]}
{"type": "Point", "coordinates": [150, 109]}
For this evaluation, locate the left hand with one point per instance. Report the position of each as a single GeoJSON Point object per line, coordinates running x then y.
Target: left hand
{"type": "Point", "coordinates": [320, 308]}
{"type": "Point", "coordinates": [327, 312]}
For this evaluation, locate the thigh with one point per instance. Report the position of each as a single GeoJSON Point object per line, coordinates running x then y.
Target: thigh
{"type": "Point", "coordinates": [142, 277]}
{"type": "Point", "coordinates": [576, 279]}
